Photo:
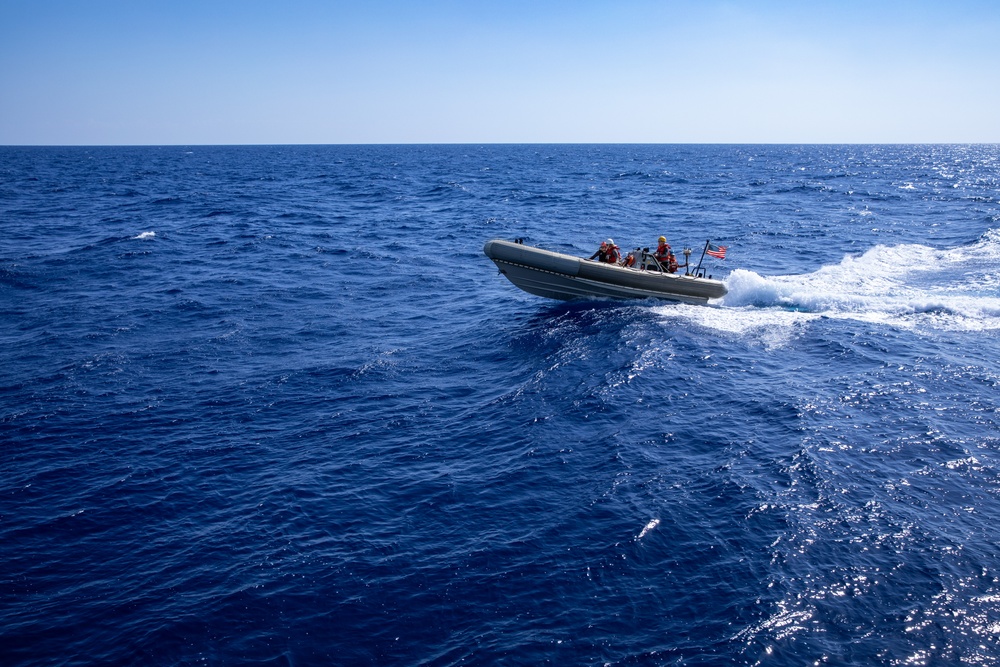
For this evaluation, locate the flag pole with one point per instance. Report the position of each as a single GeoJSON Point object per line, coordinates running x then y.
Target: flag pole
{"type": "Point", "coordinates": [703, 251]}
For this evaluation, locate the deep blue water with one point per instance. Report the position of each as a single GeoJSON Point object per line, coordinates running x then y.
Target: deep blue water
{"type": "Point", "coordinates": [272, 405]}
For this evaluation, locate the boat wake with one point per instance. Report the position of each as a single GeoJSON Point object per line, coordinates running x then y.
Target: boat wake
{"type": "Point", "coordinates": [907, 286]}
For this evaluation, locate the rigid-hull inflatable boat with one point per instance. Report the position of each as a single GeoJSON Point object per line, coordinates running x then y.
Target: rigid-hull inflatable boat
{"type": "Point", "coordinates": [555, 275]}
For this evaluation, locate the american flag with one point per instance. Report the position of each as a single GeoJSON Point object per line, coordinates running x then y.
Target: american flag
{"type": "Point", "coordinates": [716, 251]}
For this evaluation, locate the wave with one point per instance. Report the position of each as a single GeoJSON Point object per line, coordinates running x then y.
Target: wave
{"type": "Point", "coordinates": [909, 286]}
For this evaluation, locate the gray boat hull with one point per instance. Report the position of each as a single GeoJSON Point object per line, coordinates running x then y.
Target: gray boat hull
{"type": "Point", "coordinates": [554, 275]}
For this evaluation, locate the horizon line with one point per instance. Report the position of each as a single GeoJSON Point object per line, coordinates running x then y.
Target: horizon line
{"type": "Point", "coordinates": [517, 143]}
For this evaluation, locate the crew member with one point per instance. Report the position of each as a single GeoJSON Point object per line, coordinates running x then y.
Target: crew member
{"type": "Point", "coordinates": [665, 256]}
{"type": "Point", "coordinates": [662, 250]}
{"type": "Point", "coordinates": [613, 253]}
{"type": "Point", "coordinates": [608, 252]}
{"type": "Point", "coordinates": [670, 265]}
{"type": "Point", "coordinates": [602, 252]}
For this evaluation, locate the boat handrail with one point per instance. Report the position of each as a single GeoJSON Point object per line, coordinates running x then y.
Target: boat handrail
{"type": "Point", "coordinates": [648, 261]}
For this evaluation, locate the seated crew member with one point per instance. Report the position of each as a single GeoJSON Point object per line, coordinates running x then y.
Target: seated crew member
{"type": "Point", "coordinates": [670, 266]}
{"type": "Point", "coordinates": [608, 252]}
{"type": "Point", "coordinates": [602, 252]}
{"type": "Point", "coordinates": [614, 256]}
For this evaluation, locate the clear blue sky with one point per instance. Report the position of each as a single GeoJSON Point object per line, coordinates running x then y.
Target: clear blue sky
{"type": "Point", "coordinates": [484, 71]}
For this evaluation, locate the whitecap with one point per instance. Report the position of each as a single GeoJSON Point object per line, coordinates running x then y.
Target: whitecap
{"type": "Point", "coordinates": [144, 236]}
{"type": "Point", "coordinates": [648, 527]}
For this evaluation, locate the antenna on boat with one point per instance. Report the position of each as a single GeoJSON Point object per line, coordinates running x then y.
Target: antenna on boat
{"type": "Point", "coordinates": [687, 261]}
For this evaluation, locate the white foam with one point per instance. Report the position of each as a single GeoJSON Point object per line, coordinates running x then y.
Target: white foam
{"type": "Point", "coordinates": [144, 236]}
{"type": "Point", "coordinates": [772, 327]}
{"type": "Point", "coordinates": [908, 286]}
{"type": "Point", "coordinates": [648, 527]}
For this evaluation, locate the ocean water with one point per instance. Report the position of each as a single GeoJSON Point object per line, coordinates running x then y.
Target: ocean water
{"type": "Point", "coordinates": [272, 405]}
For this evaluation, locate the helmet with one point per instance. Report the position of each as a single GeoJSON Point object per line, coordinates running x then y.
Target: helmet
{"type": "Point", "coordinates": [610, 242]}
{"type": "Point", "coordinates": [662, 239]}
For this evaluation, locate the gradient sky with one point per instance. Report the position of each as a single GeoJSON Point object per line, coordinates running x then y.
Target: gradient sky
{"type": "Point", "coordinates": [498, 71]}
